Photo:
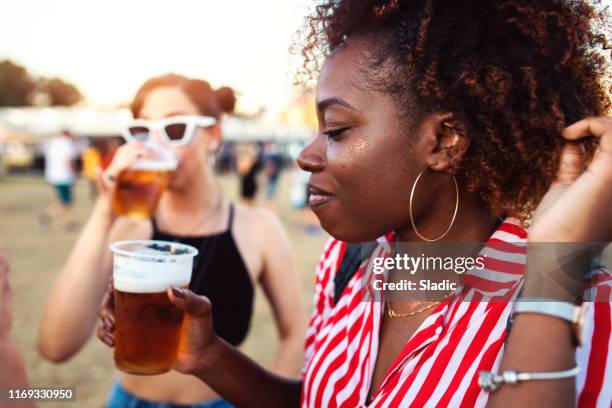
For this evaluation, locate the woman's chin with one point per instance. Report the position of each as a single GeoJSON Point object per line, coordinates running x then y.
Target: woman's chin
{"type": "Point", "coordinates": [348, 231]}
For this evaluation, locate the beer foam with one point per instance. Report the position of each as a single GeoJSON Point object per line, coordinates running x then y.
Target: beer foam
{"type": "Point", "coordinates": [154, 165]}
{"type": "Point", "coordinates": [137, 276]}
{"type": "Point", "coordinates": [151, 266]}
{"type": "Point", "coordinates": [138, 286]}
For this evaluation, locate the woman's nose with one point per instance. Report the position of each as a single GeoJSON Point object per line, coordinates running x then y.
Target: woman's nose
{"type": "Point", "coordinates": [157, 138]}
{"type": "Point", "coordinates": [312, 157]}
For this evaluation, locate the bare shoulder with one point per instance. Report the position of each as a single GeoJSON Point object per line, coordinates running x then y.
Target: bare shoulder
{"type": "Point", "coordinates": [130, 228]}
{"type": "Point", "coordinates": [259, 219]}
{"type": "Point", "coordinates": [259, 234]}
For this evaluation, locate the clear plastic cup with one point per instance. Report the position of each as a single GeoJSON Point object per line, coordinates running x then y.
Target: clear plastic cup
{"type": "Point", "coordinates": [140, 186]}
{"type": "Point", "coordinates": [147, 324]}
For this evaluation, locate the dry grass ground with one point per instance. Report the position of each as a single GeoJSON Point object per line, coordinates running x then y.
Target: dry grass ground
{"type": "Point", "coordinates": [37, 256]}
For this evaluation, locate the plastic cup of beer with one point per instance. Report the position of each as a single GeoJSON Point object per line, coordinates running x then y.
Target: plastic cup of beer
{"type": "Point", "coordinates": [147, 325]}
{"type": "Point", "coordinates": [140, 186]}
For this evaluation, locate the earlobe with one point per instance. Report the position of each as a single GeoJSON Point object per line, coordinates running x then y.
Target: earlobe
{"type": "Point", "coordinates": [437, 166]}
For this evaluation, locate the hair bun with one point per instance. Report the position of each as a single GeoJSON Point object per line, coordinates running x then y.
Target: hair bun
{"type": "Point", "coordinates": [226, 99]}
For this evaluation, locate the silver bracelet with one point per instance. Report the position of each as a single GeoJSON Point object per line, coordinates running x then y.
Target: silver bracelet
{"type": "Point", "coordinates": [573, 314]}
{"type": "Point", "coordinates": [491, 382]}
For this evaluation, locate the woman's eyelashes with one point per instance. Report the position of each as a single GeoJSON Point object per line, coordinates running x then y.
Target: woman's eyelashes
{"type": "Point", "coordinates": [336, 133]}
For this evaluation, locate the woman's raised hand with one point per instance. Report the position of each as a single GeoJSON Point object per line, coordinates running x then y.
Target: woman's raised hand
{"type": "Point", "coordinates": [578, 206]}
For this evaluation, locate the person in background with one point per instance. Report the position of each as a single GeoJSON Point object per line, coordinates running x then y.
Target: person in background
{"type": "Point", "coordinates": [61, 153]}
{"type": "Point", "coordinates": [233, 259]}
{"type": "Point", "coordinates": [12, 371]}
{"type": "Point", "coordinates": [92, 160]}
{"type": "Point", "coordinates": [273, 166]}
{"type": "Point", "coordinates": [248, 165]}
{"type": "Point", "coordinates": [110, 147]}
{"type": "Point", "coordinates": [226, 162]}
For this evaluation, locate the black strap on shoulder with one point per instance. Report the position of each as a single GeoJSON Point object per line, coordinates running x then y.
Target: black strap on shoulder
{"type": "Point", "coordinates": [154, 226]}
{"type": "Point", "coordinates": [353, 257]}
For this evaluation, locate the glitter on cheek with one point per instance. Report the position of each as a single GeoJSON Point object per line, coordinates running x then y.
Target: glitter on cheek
{"type": "Point", "coordinates": [360, 147]}
{"type": "Point", "coordinates": [355, 151]}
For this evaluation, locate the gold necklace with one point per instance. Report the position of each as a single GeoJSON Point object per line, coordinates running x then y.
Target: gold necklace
{"type": "Point", "coordinates": [393, 314]}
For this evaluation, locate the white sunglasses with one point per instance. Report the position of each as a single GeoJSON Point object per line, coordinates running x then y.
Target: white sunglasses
{"type": "Point", "coordinates": [176, 130]}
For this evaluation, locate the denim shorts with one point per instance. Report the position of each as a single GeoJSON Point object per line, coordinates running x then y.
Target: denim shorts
{"type": "Point", "coordinates": [120, 398]}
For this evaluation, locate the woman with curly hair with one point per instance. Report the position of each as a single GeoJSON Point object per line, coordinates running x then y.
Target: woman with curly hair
{"type": "Point", "coordinates": [453, 122]}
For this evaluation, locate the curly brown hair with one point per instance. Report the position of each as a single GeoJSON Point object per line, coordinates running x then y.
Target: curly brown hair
{"type": "Point", "coordinates": [515, 73]}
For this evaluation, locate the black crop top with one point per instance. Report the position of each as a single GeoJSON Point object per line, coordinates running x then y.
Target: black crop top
{"type": "Point", "coordinates": [220, 274]}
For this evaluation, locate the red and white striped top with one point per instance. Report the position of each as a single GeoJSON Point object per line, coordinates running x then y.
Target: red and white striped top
{"type": "Point", "coordinates": [439, 365]}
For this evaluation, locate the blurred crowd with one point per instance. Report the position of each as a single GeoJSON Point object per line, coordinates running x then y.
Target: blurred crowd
{"type": "Point", "coordinates": [67, 157]}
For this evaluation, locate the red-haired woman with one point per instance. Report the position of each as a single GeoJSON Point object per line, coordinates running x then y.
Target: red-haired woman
{"type": "Point", "coordinates": [232, 256]}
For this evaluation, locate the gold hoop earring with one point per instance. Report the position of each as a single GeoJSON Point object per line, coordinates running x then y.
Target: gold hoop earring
{"type": "Point", "coordinates": [412, 217]}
